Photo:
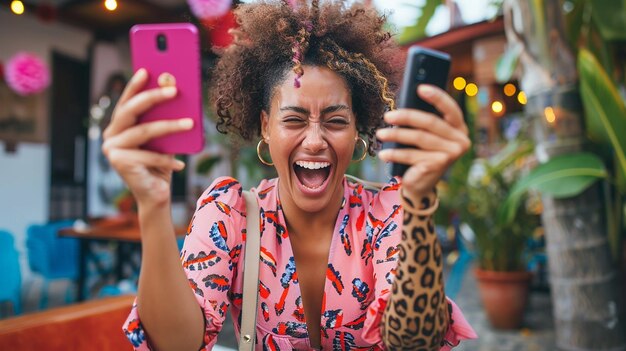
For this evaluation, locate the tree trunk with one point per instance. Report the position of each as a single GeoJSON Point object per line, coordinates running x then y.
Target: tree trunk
{"type": "Point", "coordinates": [583, 277]}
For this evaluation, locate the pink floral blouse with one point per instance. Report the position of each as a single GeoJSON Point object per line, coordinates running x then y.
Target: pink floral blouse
{"type": "Point", "coordinates": [361, 262]}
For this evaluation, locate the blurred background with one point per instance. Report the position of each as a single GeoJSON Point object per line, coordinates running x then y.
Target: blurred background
{"type": "Point", "coordinates": [538, 201]}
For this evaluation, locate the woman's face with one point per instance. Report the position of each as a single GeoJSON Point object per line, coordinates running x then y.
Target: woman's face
{"type": "Point", "coordinates": [311, 132]}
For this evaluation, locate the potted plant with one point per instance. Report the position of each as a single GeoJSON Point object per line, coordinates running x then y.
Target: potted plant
{"type": "Point", "coordinates": [501, 272]}
{"type": "Point", "coordinates": [582, 177]}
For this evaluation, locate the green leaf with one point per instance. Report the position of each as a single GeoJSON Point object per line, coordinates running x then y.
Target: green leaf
{"type": "Point", "coordinates": [610, 17]}
{"type": "Point", "coordinates": [417, 31]}
{"type": "Point", "coordinates": [561, 177]}
{"type": "Point", "coordinates": [605, 112]}
{"type": "Point", "coordinates": [507, 63]}
{"type": "Point", "coordinates": [205, 165]}
{"type": "Point", "coordinates": [512, 152]}
{"type": "Point", "coordinates": [620, 180]}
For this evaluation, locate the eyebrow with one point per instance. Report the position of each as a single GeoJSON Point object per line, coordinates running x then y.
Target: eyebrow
{"type": "Point", "coordinates": [326, 110]}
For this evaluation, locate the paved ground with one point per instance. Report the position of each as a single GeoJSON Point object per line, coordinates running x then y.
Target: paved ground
{"type": "Point", "coordinates": [537, 334]}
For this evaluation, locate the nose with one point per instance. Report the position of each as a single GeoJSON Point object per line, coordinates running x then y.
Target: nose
{"type": "Point", "coordinates": [314, 139]}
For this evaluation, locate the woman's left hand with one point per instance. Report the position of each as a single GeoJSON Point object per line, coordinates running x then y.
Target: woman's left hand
{"type": "Point", "coordinates": [438, 141]}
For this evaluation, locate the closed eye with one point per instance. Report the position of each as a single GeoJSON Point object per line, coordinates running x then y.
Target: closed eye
{"type": "Point", "coordinates": [338, 123]}
{"type": "Point", "coordinates": [341, 121]}
{"type": "Point", "coordinates": [293, 120]}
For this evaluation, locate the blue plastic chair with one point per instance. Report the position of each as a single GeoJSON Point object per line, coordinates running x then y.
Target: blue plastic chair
{"type": "Point", "coordinates": [461, 265]}
{"type": "Point", "coordinates": [129, 285]}
{"type": "Point", "coordinates": [52, 257]}
{"type": "Point", "coordinates": [10, 277]}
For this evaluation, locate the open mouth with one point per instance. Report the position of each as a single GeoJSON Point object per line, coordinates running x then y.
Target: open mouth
{"type": "Point", "coordinates": [312, 175]}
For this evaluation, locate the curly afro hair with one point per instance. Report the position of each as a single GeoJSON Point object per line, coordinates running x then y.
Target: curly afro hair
{"type": "Point", "coordinates": [274, 37]}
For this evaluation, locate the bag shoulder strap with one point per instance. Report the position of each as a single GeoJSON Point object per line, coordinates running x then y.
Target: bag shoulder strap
{"type": "Point", "coordinates": [251, 266]}
{"type": "Point", "coordinates": [250, 274]}
{"type": "Point", "coordinates": [366, 183]}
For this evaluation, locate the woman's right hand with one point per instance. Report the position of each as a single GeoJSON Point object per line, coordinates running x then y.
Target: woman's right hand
{"type": "Point", "coordinates": [148, 174]}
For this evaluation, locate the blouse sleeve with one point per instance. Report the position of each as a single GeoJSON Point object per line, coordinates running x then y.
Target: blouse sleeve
{"type": "Point", "coordinates": [209, 258]}
{"type": "Point", "coordinates": [388, 246]}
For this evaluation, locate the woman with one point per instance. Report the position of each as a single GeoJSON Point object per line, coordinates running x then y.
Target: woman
{"type": "Point", "coordinates": [341, 267]}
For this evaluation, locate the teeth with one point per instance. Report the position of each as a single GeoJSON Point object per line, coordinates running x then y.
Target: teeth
{"type": "Point", "coordinates": [313, 165]}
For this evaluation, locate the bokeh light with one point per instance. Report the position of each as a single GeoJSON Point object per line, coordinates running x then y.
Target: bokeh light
{"type": "Point", "coordinates": [471, 89]}
{"type": "Point", "coordinates": [497, 107]}
{"type": "Point", "coordinates": [521, 98]}
{"type": "Point", "coordinates": [17, 7]}
{"type": "Point", "coordinates": [110, 5]}
{"type": "Point", "coordinates": [510, 89]}
{"type": "Point", "coordinates": [459, 83]}
{"type": "Point", "coordinates": [550, 115]}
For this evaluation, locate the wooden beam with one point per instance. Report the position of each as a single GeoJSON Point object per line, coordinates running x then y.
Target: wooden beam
{"type": "Point", "coordinates": [91, 15]}
{"type": "Point", "coordinates": [462, 35]}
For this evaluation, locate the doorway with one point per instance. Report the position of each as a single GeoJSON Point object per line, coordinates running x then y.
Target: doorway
{"type": "Point", "coordinates": [69, 111]}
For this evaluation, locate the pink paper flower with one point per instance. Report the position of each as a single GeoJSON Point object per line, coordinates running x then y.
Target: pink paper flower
{"type": "Point", "coordinates": [206, 9]}
{"type": "Point", "coordinates": [27, 74]}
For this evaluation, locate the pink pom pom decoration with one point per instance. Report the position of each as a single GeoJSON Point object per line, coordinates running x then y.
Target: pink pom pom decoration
{"type": "Point", "coordinates": [27, 74]}
{"type": "Point", "coordinates": [207, 9]}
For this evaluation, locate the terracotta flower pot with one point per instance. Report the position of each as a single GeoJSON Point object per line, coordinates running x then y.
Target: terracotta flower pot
{"type": "Point", "coordinates": [504, 296]}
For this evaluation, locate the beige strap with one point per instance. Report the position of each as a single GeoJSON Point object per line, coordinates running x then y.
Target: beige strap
{"type": "Point", "coordinates": [250, 274]}
{"type": "Point", "coordinates": [378, 186]}
{"type": "Point", "coordinates": [366, 183]}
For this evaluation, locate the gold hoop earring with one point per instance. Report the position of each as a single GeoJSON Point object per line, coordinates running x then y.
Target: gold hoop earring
{"type": "Point", "coordinates": [258, 153]}
{"type": "Point", "coordinates": [364, 151]}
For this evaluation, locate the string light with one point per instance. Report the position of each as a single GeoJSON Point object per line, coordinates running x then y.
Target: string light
{"type": "Point", "coordinates": [471, 89]}
{"type": "Point", "coordinates": [17, 7]}
{"type": "Point", "coordinates": [497, 107]}
{"type": "Point", "coordinates": [550, 115]}
{"type": "Point", "coordinates": [110, 5]}
{"type": "Point", "coordinates": [459, 83]}
{"type": "Point", "coordinates": [521, 98]}
{"type": "Point", "coordinates": [510, 89]}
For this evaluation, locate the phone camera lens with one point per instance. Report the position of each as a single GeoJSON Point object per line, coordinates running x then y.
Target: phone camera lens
{"type": "Point", "coordinates": [161, 42]}
{"type": "Point", "coordinates": [421, 74]}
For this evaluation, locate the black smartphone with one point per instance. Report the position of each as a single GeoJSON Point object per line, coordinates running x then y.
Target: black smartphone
{"type": "Point", "coordinates": [422, 66]}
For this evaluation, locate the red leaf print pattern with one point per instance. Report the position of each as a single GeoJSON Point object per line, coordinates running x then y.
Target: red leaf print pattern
{"type": "Point", "coordinates": [264, 291]}
{"type": "Point", "coordinates": [299, 311]}
{"type": "Point", "coordinates": [268, 259]}
{"type": "Point", "coordinates": [279, 308]}
{"type": "Point", "coordinates": [335, 278]}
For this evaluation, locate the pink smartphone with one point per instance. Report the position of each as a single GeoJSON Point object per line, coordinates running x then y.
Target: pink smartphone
{"type": "Point", "coordinates": [170, 52]}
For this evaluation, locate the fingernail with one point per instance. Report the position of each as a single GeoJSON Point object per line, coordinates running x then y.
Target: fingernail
{"type": "Point", "coordinates": [381, 133]}
{"type": "Point", "coordinates": [140, 73]}
{"type": "Point", "coordinates": [186, 123]}
{"type": "Point", "coordinates": [426, 91]}
{"type": "Point", "coordinates": [180, 164]}
{"type": "Point", "coordinates": [168, 91]}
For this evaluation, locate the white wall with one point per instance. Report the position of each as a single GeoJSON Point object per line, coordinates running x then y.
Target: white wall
{"type": "Point", "coordinates": [24, 175]}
